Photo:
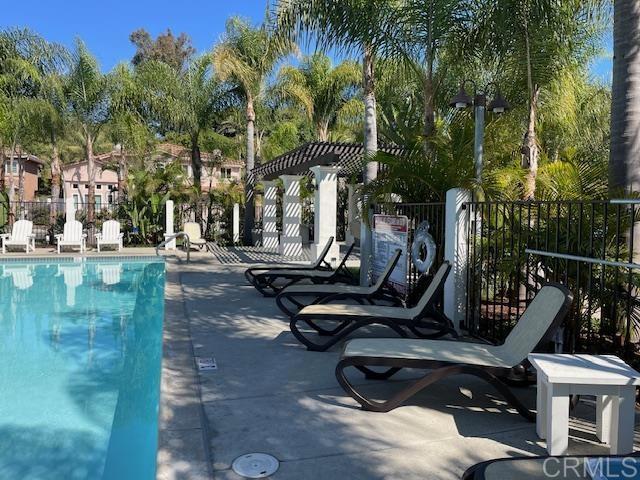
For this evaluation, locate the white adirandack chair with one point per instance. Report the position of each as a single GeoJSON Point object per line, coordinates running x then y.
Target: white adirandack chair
{"type": "Point", "coordinates": [110, 234]}
{"type": "Point", "coordinates": [72, 236]}
{"type": "Point", "coordinates": [21, 236]}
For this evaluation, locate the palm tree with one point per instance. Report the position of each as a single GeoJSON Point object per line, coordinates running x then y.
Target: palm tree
{"type": "Point", "coordinates": [533, 40]}
{"type": "Point", "coordinates": [624, 159]}
{"type": "Point", "coordinates": [186, 102]}
{"type": "Point", "coordinates": [88, 91]}
{"type": "Point", "coordinates": [323, 91]}
{"type": "Point", "coordinates": [127, 127]}
{"type": "Point", "coordinates": [246, 56]}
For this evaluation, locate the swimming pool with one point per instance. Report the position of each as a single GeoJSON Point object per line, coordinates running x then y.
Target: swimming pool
{"type": "Point", "coordinates": [80, 359]}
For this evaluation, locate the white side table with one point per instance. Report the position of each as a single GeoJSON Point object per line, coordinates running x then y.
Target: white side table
{"type": "Point", "coordinates": [607, 377]}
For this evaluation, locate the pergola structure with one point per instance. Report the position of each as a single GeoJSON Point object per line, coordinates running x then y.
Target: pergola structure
{"type": "Point", "coordinates": [326, 161]}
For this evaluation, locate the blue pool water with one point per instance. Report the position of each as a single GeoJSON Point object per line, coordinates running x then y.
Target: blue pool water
{"type": "Point", "coordinates": [80, 356]}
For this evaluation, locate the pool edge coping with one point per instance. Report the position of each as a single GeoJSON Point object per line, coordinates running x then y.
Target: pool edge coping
{"type": "Point", "coordinates": [189, 425]}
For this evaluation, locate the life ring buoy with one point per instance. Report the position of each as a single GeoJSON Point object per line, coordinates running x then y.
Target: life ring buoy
{"type": "Point", "coordinates": [423, 249]}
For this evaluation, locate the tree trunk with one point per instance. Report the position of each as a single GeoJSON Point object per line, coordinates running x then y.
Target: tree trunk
{"type": "Point", "coordinates": [2, 169]}
{"type": "Point", "coordinates": [322, 131]}
{"type": "Point", "coordinates": [91, 180]}
{"type": "Point", "coordinates": [12, 156]}
{"type": "Point", "coordinates": [249, 206]}
{"type": "Point", "coordinates": [429, 109]}
{"type": "Point", "coordinates": [20, 178]}
{"type": "Point", "coordinates": [12, 206]}
{"type": "Point", "coordinates": [56, 180]}
{"type": "Point", "coordinates": [370, 118]}
{"type": "Point", "coordinates": [122, 175]}
{"type": "Point", "coordinates": [624, 159]}
{"type": "Point", "coordinates": [530, 151]}
{"type": "Point", "coordinates": [196, 163]}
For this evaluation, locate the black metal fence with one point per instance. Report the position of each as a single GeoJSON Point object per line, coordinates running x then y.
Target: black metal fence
{"type": "Point", "coordinates": [515, 247]}
{"type": "Point", "coordinates": [417, 213]}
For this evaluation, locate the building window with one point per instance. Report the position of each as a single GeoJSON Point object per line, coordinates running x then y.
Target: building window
{"type": "Point", "coordinates": [99, 187]}
{"type": "Point", "coordinates": [14, 167]}
{"type": "Point", "coordinates": [86, 187]}
{"type": "Point", "coordinates": [76, 201]}
{"type": "Point", "coordinates": [75, 185]}
{"type": "Point", "coordinates": [98, 202]}
{"type": "Point", "coordinates": [225, 173]}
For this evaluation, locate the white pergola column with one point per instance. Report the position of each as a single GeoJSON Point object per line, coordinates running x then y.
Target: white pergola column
{"type": "Point", "coordinates": [168, 225]}
{"type": "Point", "coordinates": [270, 216]}
{"type": "Point", "coordinates": [236, 223]}
{"type": "Point", "coordinates": [353, 224]}
{"type": "Point", "coordinates": [455, 251]}
{"type": "Point", "coordinates": [290, 240]}
{"type": "Point", "coordinates": [325, 208]}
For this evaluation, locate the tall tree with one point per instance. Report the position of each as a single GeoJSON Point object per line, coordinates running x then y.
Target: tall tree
{"type": "Point", "coordinates": [624, 159]}
{"type": "Point", "coordinates": [88, 91]}
{"type": "Point", "coordinates": [27, 62]}
{"type": "Point", "coordinates": [187, 102]}
{"type": "Point", "coordinates": [323, 91]}
{"type": "Point", "coordinates": [532, 41]}
{"type": "Point", "coordinates": [174, 51]}
{"type": "Point", "coordinates": [246, 56]}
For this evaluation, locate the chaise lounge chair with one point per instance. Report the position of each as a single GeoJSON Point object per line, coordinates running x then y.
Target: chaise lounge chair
{"type": "Point", "coordinates": [266, 281]}
{"type": "Point", "coordinates": [329, 293]}
{"type": "Point", "coordinates": [192, 229]}
{"type": "Point", "coordinates": [445, 358]}
{"type": "Point", "coordinates": [565, 467]}
{"type": "Point", "coordinates": [72, 236]}
{"type": "Point", "coordinates": [110, 235]}
{"type": "Point", "coordinates": [403, 321]}
{"type": "Point", "coordinates": [319, 264]}
{"type": "Point", "coordinates": [20, 236]}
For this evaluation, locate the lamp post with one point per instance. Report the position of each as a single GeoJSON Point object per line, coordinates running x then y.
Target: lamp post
{"type": "Point", "coordinates": [498, 105]}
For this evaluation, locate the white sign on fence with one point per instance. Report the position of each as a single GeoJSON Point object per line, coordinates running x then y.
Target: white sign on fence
{"type": "Point", "coordinates": [391, 232]}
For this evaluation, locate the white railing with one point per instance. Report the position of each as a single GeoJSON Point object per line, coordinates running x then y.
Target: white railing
{"type": "Point", "coordinates": [187, 243]}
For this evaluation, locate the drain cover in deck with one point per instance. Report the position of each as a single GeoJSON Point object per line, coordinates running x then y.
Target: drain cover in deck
{"type": "Point", "coordinates": [255, 465]}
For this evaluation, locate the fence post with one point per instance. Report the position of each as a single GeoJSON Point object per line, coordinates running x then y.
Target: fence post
{"type": "Point", "coordinates": [236, 223]}
{"type": "Point", "coordinates": [291, 241]}
{"type": "Point", "coordinates": [270, 236]}
{"type": "Point", "coordinates": [168, 225]}
{"type": "Point", "coordinates": [455, 251]}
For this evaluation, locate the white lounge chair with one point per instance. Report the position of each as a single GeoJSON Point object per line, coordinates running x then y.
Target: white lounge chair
{"type": "Point", "coordinates": [72, 236]}
{"type": "Point", "coordinates": [21, 236]}
{"type": "Point", "coordinates": [442, 358]}
{"type": "Point", "coordinates": [110, 234]}
{"type": "Point", "coordinates": [195, 234]}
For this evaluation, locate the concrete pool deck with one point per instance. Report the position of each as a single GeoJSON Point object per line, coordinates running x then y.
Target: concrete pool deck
{"type": "Point", "coordinates": [268, 394]}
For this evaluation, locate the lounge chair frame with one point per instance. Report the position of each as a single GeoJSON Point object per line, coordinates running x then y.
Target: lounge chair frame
{"type": "Point", "coordinates": [478, 471]}
{"type": "Point", "coordinates": [381, 291]}
{"type": "Point", "coordinates": [320, 264]}
{"type": "Point", "coordinates": [429, 318]}
{"type": "Point", "coordinates": [439, 371]}
{"type": "Point", "coordinates": [265, 282]}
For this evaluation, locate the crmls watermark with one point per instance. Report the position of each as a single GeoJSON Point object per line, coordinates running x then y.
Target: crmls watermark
{"type": "Point", "coordinates": [610, 468]}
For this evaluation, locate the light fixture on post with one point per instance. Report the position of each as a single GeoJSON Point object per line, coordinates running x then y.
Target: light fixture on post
{"type": "Point", "coordinates": [498, 105]}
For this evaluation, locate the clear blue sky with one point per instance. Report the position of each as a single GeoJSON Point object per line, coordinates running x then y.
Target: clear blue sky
{"type": "Point", "coordinates": [105, 25]}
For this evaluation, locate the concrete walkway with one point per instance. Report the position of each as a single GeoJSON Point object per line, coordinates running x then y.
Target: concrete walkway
{"type": "Point", "coordinates": [270, 395]}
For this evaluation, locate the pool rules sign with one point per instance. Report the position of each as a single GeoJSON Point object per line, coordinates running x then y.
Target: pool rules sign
{"type": "Point", "coordinates": [391, 232]}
